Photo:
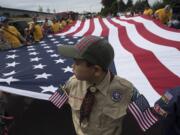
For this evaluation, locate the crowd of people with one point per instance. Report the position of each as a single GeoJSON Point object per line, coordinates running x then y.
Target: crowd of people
{"type": "Point", "coordinates": [164, 15]}
{"type": "Point", "coordinates": [10, 37]}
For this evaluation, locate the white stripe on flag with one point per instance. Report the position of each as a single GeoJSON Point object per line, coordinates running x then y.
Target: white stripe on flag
{"type": "Point", "coordinates": [125, 62]}
{"type": "Point", "coordinates": [98, 29]}
{"type": "Point", "coordinates": [168, 58]}
{"type": "Point", "coordinates": [133, 111]}
{"type": "Point", "coordinates": [72, 29]}
{"type": "Point", "coordinates": [84, 29]}
{"type": "Point", "coordinates": [152, 27]}
{"type": "Point", "coordinates": [145, 119]}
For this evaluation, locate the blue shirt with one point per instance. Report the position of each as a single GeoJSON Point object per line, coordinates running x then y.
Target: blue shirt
{"type": "Point", "coordinates": [168, 109]}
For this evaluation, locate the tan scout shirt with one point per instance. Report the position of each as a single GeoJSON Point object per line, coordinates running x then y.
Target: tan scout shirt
{"type": "Point", "coordinates": [107, 113]}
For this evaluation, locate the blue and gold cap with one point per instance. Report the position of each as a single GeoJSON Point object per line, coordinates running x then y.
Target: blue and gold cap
{"type": "Point", "coordinates": [93, 49]}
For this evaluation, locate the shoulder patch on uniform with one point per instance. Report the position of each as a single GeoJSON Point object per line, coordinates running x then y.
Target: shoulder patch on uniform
{"type": "Point", "coordinates": [167, 97]}
{"type": "Point", "coordinates": [116, 95]}
{"type": "Point", "coordinates": [160, 111]}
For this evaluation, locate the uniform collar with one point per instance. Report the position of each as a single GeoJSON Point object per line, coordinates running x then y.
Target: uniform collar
{"type": "Point", "coordinates": [103, 86]}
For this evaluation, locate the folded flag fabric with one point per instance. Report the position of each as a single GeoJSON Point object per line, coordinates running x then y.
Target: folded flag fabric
{"type": "Point", "coordinates": [59, 98]}
{"type": "Point", "coordinates": [141, 111]}
{"type": "Point", "coordinates": [146, 54]}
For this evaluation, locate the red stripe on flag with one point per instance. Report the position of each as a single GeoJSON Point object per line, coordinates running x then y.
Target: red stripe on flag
{"type": "Point", "coordinates": [67, 28]}
{"type": "Point", "coordinates": [58, 99]}
{"type": "Point", "coordinates": [91, 28]}
{"type": "Point", "coordinates": [105, 30]}
{"type": "Point", "coordinates": [151, 36]}
{"type": "Point", "coordinates": [151, 116]}
{"type": "Point", "coordinates": [78, 29]}
{"type": "Point", "coordinates": [144, 119]}
{"type": "Point", "coordinates": [137, 116]}
{"type": "Point", "coordinates": [149, 64]}
{"type": "Point", "coordinates": [157, 22]}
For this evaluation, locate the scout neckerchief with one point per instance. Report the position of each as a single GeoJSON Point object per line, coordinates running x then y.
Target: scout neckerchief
{"type": "Point", "coordinates": [88, 101]}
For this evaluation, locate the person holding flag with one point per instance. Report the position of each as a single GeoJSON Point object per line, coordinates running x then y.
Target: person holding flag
{"type": "Point", "coordinates": [148, 11]}
{"type": "Point", "coordinates": [11, 34]}
{"type": "Point", "coordinates": [164, 15]}
{"type": "Point", "coordinates": [98, 98]}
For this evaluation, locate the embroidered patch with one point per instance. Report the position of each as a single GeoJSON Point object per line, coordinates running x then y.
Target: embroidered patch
{"type": "Point", "coordinates": [167, 97]}
{"type": "Point", "coordinates": [160, 111]}
{"type": "Point", "coordinates": [116, 96]}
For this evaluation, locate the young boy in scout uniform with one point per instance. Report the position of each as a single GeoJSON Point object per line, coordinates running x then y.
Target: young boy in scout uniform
{"type": "Point", "coordinates": [3, 43]}
{"type": "Point", "coordinates": [98, 99]}
{"type": "Point", "coordinates": [164, 15]}
{"type": "Point", "coordinates": [36, 30]}
{"type": "Point", "coordinates": [12, 35]}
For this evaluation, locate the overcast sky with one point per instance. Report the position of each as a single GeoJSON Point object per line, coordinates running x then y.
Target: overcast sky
{"type": "Point", "coordinates": [58, 5]}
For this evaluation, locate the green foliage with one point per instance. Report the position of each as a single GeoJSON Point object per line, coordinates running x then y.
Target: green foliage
{"type": "Point", "coordinates": [140, 5]}
{"type": "Point", "coordinates": [104, 11]}
{"type": "Point", "coordinates": [165, 2]}
{"type": "Point", "coordinates": [112, 6]}
{"type": "Point", "coordinates": [129, 4]}
{"type": "Point", "coordinates": [40, 8]}
{"type": "Point", "coordinates": [122, 6]}
{"type": "Point", "coordinates": [157, 5]}
{"type": "Point", "coordinates": [107, 3]}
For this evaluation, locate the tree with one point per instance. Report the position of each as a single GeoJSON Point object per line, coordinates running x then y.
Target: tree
{"type": "Point", "coordinates": [129, 4]}
{"type": "Point", "coordinates": [165, 2]}
{"type": "Point", "coordinates": [121, 6]}
{"type": "Point", "coordinates": [48, 10]}
{"type": "Point", "coordinates": [107, 3]}
{"type": "Point", "coordinates": [40, 9]}
{"type": "Point", "coordinates": [114, 8]}
{"type": "Point", "coordinates": [110, 6]}
{"type": "Point", "coordinates": [54, 10]}
{"type": "Point", "coordinates": [157, 5]}
{"type": "Point", "coordinates": [104, 11]}
{"type": "Point", "coordinates": [140, 5]}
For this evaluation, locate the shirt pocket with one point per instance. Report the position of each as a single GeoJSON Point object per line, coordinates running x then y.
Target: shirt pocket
{"type": "Point", "coordinates": [110, 116]}
{"type": "Point", "coordinates": [75, 102]}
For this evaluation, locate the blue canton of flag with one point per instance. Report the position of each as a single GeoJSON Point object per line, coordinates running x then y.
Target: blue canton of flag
{"type": "Point", "coordinates": [38, 70]}
{"type": "Point", "coordinates": [140, 109]}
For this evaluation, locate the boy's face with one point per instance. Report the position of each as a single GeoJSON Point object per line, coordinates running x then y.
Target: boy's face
{"type": "Point", "coordinates": [82, 71]}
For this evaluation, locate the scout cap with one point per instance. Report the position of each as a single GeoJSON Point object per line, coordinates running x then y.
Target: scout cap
{"type": "Point", "coordinates": [93, 49]}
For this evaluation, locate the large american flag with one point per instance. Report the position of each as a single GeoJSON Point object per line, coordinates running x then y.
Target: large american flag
{"type": "Point", "coordinates": [146, 53]}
